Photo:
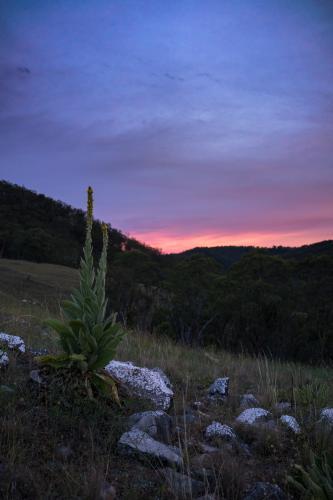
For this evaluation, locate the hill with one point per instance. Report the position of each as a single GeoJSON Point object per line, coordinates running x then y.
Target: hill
{"type": "Point", "coordinates": [229, 255]}
{"type": "Point", "coordinates": [275, 301]}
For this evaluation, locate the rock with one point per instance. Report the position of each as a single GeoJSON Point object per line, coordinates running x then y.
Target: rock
{"type": "Point", "coordinates": [182, 485]}
{"type": "Point", "coordinates": [137, 442]}
{"type": "Point", "coordinates": [197, 405]}
{"type": "Point", "coordinates": [291, 423]}
{"type": "Point", "coordinates": [4, 359]}
{"type": "Point", "coordinates": [12, 341]}
{"type": "Point", "coordinates": [326, 416]}
{"type": "Point", "coordinates": [282, 406]}
{"type": "Point", "coordinates": [107, 492]}
{"type": "Point", "coordinates": [253, 416]}
{"type": "Point", "coordinates": [217, 430]}
{"type": "Point", "coordinates": [206, 497]}
{"type": "Point", "coordinates": [219, 388]}
{"type": "Point", "coordinates": [143, 383]}
{"type": "Point", "coordinates": [157, 424]}
{"type": "Point", "coordinates": [265, 491]}
{"type": "Point", "coordinates": [248, 401]}
{"type": "Point", "coordinates": [39, 352]}
{"type": "Point", "coordinates": [208, 449]}
{"type": "Point", "coordinates": [36, 377]}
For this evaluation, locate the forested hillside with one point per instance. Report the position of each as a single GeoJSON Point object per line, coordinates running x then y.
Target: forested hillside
{"type": "Point", "coordinates": [276, 301]}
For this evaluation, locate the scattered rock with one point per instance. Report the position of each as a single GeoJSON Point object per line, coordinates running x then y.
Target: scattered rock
{"type": "Point", "coordinates": [265, 491]}
{"type": "Point", "coordinates": [217, 430]}
{"type": "Point", "coordinates": [4, 359]}
{"type": "Point", "coordinates": [248, 401]}
{"type": "Point", "coordinates": [282, 406]}
{"type": "Point", "coordinates": [157, 424]}
{"type": "Point", "coordinates": [107, 491]}
{"type": "Point", "coordinates": [12, 341]}
{"type": "Point", "coordinates": [182, 485]}
{"type": "Point", "coordinates": [197, 405]}
{"type": "Point", "coordinates": [137, 442]}
{"type": "Point", "coordinates": [253, 416]}
{"type": "Point", "coordinates": [291, 423]}
{"type": "Point", "coordinates": [36, 377]}
{"type": "Point", "coordinates": [143, 382]}
{"type": "Point", "coordinates": [219, 388]}
{"type": "Point", "coordinates": [39, 352]}
{"type": "Point", "coordinates": [326, 416]}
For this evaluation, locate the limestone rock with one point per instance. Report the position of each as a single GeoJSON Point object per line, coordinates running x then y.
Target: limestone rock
{"type": "Point", "coordinates": [282, 406]}
{"type": "Point", "coordinates": [253, 416]}
{"type": "Point", "coordinates": [12, 341]}
{"type": "Point", "coordinates": [4, 359]}
{"type": "Point", "coordinates": [157, 424]}
{"type": "Point", "coordinates": [219, 388]}
{"type": "Point", "coordinates": [326, 416]}
{"type": "Point", "coordinates": [248, 401]}
{"type": "Point", "coordinates": [291, 423]}
{"type": "Point", "coordinates": [143, 382]}
{"type": "Point", "coordinates": [137, 442]}
{"type": "Point", "coordinates": [218, 430]}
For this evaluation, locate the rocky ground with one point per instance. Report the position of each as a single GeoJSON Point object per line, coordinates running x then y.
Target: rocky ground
{"type": "Point", "coordinates": [162, 443]}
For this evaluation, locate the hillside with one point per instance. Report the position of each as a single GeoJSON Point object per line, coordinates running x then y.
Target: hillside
{"type": "Point", "coordinates": [56, 444]}
{"type": "Point", "coordinates": [275, 301]}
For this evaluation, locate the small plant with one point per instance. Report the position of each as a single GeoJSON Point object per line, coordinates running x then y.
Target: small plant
{"type": "Point", "coordinates": [88, 338]}
{"type": "Point", "coordinates": [316, 481]}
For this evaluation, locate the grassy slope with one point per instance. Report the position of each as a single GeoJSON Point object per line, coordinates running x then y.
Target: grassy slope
{"type": "Point", "coordinates": [30, 292]}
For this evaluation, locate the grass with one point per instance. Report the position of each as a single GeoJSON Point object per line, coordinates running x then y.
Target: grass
{"type": "Point", "coordinates": [34, 425]}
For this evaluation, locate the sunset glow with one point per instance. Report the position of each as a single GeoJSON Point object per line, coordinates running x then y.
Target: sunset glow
{"type": "Point", "coordinates": [197, 123]}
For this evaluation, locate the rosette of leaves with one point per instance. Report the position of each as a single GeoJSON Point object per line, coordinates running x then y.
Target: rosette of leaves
{"type": "Point", "coordinates": [88, 337]}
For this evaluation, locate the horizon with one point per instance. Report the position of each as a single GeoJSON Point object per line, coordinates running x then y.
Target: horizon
{"type": "Point", "coordinates": [198, 124]}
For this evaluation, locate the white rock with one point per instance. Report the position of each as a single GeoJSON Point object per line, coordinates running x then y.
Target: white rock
{"type": "Point", "coordinates": [326, 416]}
{"type": "Point", "coordinates": [291, 423]}
{"type": "Point", "coordinates": [219, 388]}
{"type": "Point", "coordinates": [248, 401]}
{"type": "Point", "coordinates": [143, 382]}
{"type": "Point", "coordinates": [4, 359]}
{"type": "Point", "coordinates": [12, 341]}
{"type": "Point", "coordinates": [253, 415]}
{"type": "Point", "coordinates": [215, 429]}
{"type": "Point", "coordinates": [157, 424]}
{"type": "Point", "coordinates": [140, 443]}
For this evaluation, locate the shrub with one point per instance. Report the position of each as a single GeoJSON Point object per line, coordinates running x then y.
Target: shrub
{"type": "Point", "coordinates": [88, 337]}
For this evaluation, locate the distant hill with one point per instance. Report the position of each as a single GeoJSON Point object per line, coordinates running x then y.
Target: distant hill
{"type": "Point", "coordinates": [37, 228]}
{"type": "Point", "coordinates": [229, 255]}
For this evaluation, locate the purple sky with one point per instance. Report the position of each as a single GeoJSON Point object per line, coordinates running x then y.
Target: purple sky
{"type": "Point", "coordinates": [198, 122]}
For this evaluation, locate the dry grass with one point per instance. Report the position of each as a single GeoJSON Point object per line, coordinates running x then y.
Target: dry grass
{"type": "Point", "coordinates": [33, 425]}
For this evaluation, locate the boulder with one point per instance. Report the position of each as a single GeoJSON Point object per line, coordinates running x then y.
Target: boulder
{"type": "Point", "coordinates": [181, 485]}
{"type": "Point", "coordinates": [253, 416]}
{"type": "Point", "coordinates": [139, 443]}
{"type": "Point", "coordinates": [12, 341]}
{"type": "Point", "coordinates": [107, 491]}
{"type": "Point", "coordinates": [265, 491]}
{"type": "Point", "coordinates": [143, 383]}
{"type": "Point", "coordinates": [291, 423]}
{"type": "Point", "coordinates": [219, 388]}
{"type": "Point", "coordinates": [218, 430]}
{"type": "Point", "coordinates": [157, 424]}
{"type": "Point", "coordinates": [4, 359]}
{"type": "Point", "coordinates": [248, 401]}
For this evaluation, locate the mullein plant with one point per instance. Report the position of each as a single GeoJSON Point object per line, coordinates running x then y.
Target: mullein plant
{"type": "Point", "coordinates": [88, 337]}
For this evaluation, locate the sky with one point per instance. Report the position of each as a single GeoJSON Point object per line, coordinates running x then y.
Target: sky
{"type": "Point", "coordinates": [197, 122]}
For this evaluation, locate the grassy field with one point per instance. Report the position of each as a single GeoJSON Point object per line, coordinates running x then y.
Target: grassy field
{"type": "Point", "coordinates": [33, 428]}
